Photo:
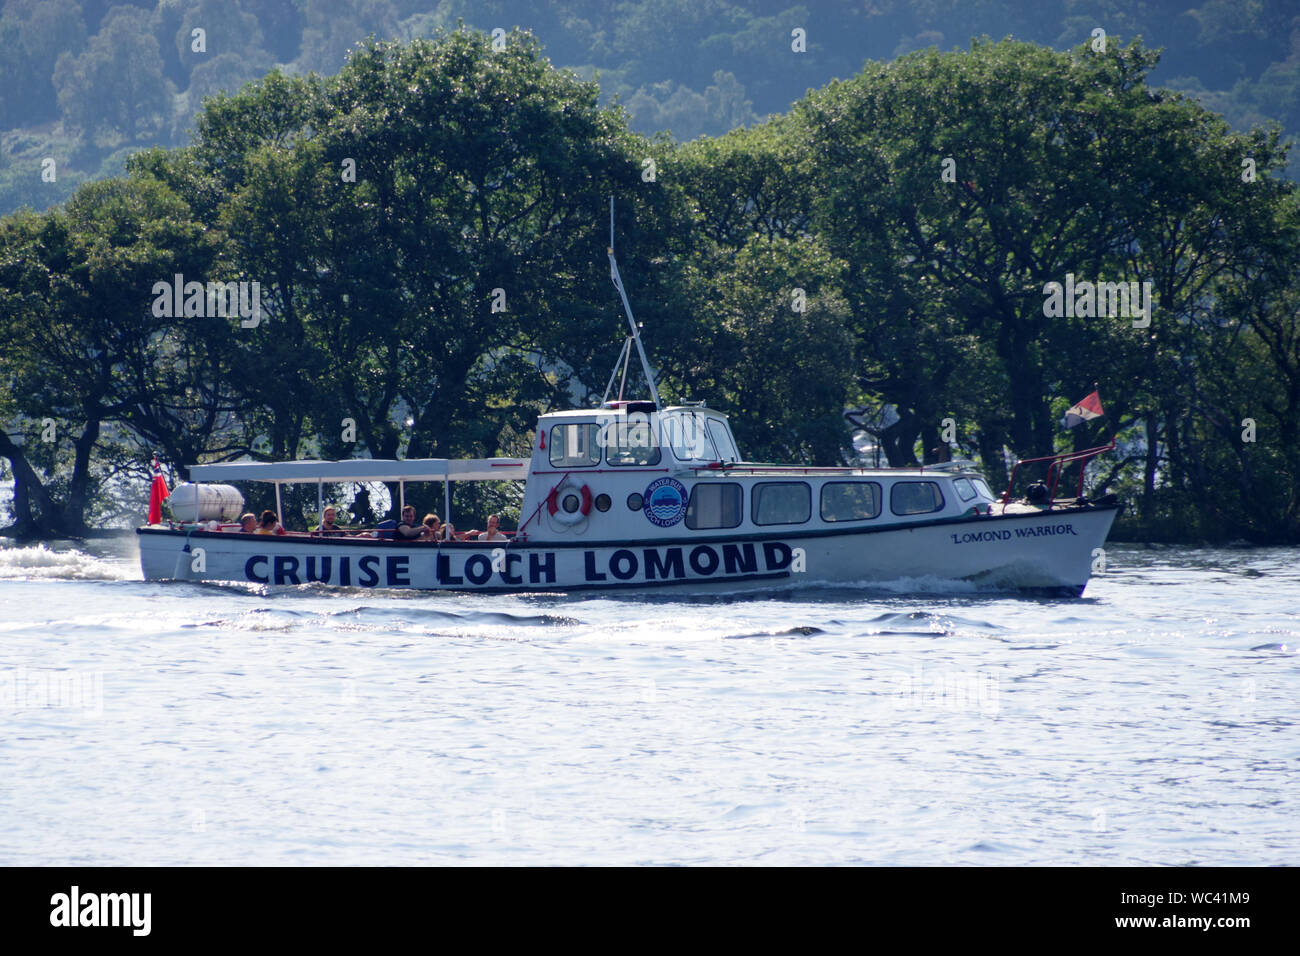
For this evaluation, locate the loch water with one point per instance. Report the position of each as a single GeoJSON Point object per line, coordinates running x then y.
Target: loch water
{"type": "Point", "coordinates": [1152, 721]}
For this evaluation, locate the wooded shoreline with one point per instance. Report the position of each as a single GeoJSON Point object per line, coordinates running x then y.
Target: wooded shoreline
{"type": "Point", "coordinates": [426, 233]}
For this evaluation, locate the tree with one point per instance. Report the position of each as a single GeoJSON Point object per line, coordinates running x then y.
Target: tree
{"type": "Point", "coordinates": [82, 346]}
{"type": "Point", "coordinates": [116, 85]}
{"type": "Point", "coordinates": [33, 35]}
{"type": "Point", "coordinates": [773, 347]}
{"type": "Point", "coordinates": [960, 186]}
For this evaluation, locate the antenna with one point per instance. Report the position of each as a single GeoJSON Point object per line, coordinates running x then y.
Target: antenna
{"type": "Point", "coordinates": [627, 308]}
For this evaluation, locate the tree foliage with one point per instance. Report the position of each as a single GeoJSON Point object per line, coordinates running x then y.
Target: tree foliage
{"type": "Point", "coordinates": [428, 231]}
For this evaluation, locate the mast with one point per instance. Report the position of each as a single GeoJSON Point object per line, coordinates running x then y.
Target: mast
{"type": "Point", "coordinates": [635, 335]}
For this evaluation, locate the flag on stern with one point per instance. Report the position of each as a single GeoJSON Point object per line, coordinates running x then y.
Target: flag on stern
{"type": "Point", "coordinates": [1087, 409]}
{"type": "Point", "coordinates": [158, 493]}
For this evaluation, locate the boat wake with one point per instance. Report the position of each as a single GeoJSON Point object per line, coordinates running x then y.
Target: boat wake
{"type": "Point", "coordinates": [397, 619]}
{"type": "Point", "coordinates": [43, 563]}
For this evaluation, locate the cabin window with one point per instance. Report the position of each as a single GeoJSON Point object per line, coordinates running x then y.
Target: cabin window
{"type": "Point", "coordinates": [850, 500]}
{"type": "Point", "coordinates": [575, 446]}
{"type": "Point", "coordinates": [714, 505]}
{"type": "Point", "coordinates": [982, 487]}
{"type": "Point", "coordinates": [782, 502]}
{"type": "Point", "coordinates": [689, 437]}
{"type": "Point", "coordinates": [630, 441]}
{"type": "Point", "coordinates": [965, 490]}
{"type": "Point", "coordinates": [722, 442]}
{"type": "Point", "coordinates": [915, 497]}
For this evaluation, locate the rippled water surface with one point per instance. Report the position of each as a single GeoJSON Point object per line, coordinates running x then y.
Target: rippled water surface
{"type": "Point", "coordinates": [1154, 721]}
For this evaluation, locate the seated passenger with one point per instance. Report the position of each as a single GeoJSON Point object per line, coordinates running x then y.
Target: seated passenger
{"type": "Point", "coordinates": [247, 523]}
{"type": "Point", "coordinates": [407, 529]}
{"type": "Point", "coordinates": [270, 524]}
{"type": "Point", "coordinates": [328, 523]}
{"type": "Point", "coordinates": [433, 529]}
{"type": "Point", "coordinates": [493, 532]}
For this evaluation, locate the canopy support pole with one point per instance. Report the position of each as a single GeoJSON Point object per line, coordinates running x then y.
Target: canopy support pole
{"type": "Point", "coordinates": [401, 498]}
{"type": "Point", "coordinates": [622, 358]}
{"type": "Point", "coordinates": [279, 509]}
{"type": "Point", "coordinates": [446, 501]}
{"type": "Point", "coordinates": [631, 321]}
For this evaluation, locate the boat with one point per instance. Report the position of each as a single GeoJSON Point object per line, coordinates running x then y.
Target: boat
{"type": "Point", "coordinates": [636, 496]}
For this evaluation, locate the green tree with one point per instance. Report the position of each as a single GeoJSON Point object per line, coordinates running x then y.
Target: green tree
{"type": "Point", "coordinates": [82, 346]}
{"type": "Point", "coordinates": [32, 35]}
{"type": "Point", "coordinates": [116, 86]}
{"type": "Point", "coordinates": [959, 185]}
{"type": "Point", "coordinates": [774, 348]}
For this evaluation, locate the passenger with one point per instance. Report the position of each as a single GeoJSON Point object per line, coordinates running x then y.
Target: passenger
{"type": "Point", "coordinates": [435, 530]}
{"type": "Point", "coordinates": [407, 529]}
{"type": "Point", "coordinates": [493, 532]}
{"type": "Point", "coordinates": [328, 525]}
{"type": "Point", "coordinates": [270, 524]}
{"type": "Point", "coordinates": [247, 523]}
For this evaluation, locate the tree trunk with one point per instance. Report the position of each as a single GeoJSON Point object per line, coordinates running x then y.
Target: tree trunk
{"type": "Point", "coordinates": [929, 442]}
{"type": "Point", "coordinates": [1149, 468]}
{"type": "Point", "coordinates": [898, 440]}
{"type": "Point", "coordinates": [991, 441]}
{"type": "Point", "coordinates": [74, 507]}
{"type": "Point", "coordinates": [37, 521]}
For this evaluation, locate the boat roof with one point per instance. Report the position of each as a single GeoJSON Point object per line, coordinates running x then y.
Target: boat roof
{"type": "Point", "coordinates": [366, 469]}
{"type": "Point", "coordinates": [587, 413]}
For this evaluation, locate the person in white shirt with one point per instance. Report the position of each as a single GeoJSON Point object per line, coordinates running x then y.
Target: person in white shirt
{"type": "Point", "coordinates": [493, 532]}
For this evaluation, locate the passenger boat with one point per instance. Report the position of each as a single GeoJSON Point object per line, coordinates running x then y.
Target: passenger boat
{"type": "Point", "coordinates": [637, 495]}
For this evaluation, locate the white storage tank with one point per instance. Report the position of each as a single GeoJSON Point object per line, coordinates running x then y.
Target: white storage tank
{"type": "Point", "coordinates": [216, 502]}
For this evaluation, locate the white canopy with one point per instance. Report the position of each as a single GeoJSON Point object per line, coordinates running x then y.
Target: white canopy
{"type": "Point", "coordinates": [366, 469]}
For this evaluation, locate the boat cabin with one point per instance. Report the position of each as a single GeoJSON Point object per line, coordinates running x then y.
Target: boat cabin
{"type": "Point", "coordinates": [626, 472]}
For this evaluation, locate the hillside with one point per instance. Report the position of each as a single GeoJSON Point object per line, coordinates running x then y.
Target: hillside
{"type": "Point", "coordinates": [85, 84]}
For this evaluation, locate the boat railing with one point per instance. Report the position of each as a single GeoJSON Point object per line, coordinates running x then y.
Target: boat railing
{"type": "Point", "coordinates": [349, 533]}
{"type": "Point", "coordinates": [943, 467]}
{"type": "Point", "coordinates": [1056, 469]}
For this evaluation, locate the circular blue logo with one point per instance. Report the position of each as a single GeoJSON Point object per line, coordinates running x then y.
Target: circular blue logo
{"type": "Point", "coordinates": [665, 501]}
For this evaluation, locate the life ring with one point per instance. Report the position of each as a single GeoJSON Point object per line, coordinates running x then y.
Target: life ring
{"type": "Point", "coordinates": [562, 517]}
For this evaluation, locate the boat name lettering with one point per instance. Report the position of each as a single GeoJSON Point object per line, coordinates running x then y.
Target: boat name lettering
{"type": "Point", "coordinates": [660, 564]}
{"type": "Point", "coordinates": [971, 537]}
{"type": "Point", "coordinates": [621, 565]}
{"type": "Point", "coordinates": [1046, 529]}
{"type": "Point", "coordinates": [289, 569]}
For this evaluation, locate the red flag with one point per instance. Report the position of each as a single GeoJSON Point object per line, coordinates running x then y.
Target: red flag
{"type": "Point", "coordinates": [1087, 409]}
{"type": "Point", "coordinates": [158, 493]}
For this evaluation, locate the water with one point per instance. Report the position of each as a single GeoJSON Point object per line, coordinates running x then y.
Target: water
{"type": "Point", "coordinates": [1152, 722]}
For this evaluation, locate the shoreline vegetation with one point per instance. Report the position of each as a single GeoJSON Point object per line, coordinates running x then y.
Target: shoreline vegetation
{"type": "Point", "coordinates": [423, 234]}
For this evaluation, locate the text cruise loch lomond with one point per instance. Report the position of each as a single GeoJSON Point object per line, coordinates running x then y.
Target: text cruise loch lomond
{"type": "Point", "coordinates": [635, 495]}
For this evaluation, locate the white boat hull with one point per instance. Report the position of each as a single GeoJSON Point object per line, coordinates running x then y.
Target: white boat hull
{"type": "Point", "coordinates": [1048, 551]}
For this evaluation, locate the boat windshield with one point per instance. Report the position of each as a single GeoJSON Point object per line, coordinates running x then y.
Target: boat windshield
{"type": "Point", "coordinates": [688, 435]}
{"type": "Point", "coordinates": [630, 441]}
{"type": "Point", "coordinates": [721, 436]}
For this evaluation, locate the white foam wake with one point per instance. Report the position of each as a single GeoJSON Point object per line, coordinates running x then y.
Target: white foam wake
{"type": "Point", "coordinates": [45, 563]}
